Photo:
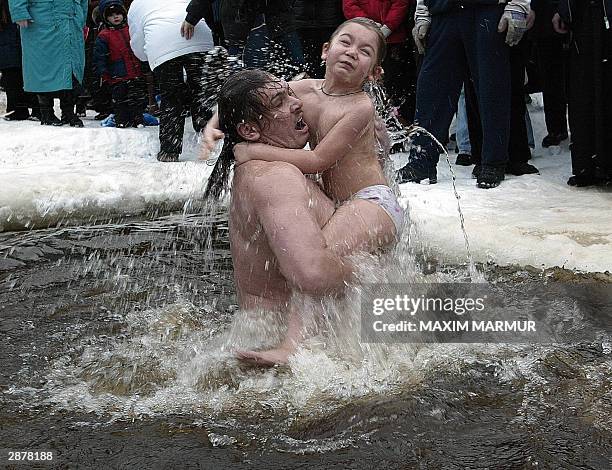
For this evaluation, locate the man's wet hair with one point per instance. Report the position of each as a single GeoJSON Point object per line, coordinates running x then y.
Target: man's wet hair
{"type": "Point", "coordinates": [241, 99]}
{"type": "Point", "coordinates": [381, 49]}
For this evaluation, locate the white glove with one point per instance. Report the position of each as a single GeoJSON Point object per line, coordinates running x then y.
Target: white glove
{"type": "Point", "coordinates": [419, 33]}
{"type": "Point", "coordinates": [514, 22]}
{"type": "Point", "coordinates": [422, 22]}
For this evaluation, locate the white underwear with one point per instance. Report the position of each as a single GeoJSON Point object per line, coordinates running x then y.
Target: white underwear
{"type": "Point", "coordinates": [384, 196]}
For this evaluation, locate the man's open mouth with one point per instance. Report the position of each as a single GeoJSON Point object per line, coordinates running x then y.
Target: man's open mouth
{"type": "Point", "coordinates": [300, 124]}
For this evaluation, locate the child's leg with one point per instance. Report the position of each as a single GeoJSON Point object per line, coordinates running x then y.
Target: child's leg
{"type": "Point", "coordinates": [121, 104]}
{"type": "Point", "coordinates": [280, 354]}
{"type": "Point", "coordinates": [359, 225]}
{"type": "Point", "coordinates": [323, 209]}
{"type": "Point", "coordinates": [136, 101]}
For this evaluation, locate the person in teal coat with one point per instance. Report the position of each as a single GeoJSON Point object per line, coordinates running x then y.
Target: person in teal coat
{"type": "Point", "coordinates": [53, 49]}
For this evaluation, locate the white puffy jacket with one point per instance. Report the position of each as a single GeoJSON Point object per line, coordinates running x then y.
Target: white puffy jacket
{"type": "Point", "coordinates": [155, 31]}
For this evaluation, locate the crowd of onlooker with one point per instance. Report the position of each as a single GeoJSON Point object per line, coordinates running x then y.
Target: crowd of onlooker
{"type": "Point", "coordinates": [472, 61]}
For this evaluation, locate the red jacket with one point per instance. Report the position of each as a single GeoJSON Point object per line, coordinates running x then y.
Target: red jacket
{"type": "Point", "coordinates": [389, 12]}
{"type": "Point", "coordinates": [114, 60]}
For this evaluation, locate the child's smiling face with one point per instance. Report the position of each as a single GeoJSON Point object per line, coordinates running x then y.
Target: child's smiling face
{"type": "Point", "coordinates": [353, 53]}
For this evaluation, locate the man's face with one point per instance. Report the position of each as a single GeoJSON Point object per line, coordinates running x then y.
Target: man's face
{"type": "Point", "coordinates": [284, 125]}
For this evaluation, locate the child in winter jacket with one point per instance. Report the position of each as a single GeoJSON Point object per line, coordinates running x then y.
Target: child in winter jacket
{"type": "Point", "coordinates": [117, 66]}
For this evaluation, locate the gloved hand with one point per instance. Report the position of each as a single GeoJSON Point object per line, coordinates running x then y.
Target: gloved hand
{"type": "Point", "coordinates": [419, 32]}
{"type": "Point", "coordinates": [514, 21]}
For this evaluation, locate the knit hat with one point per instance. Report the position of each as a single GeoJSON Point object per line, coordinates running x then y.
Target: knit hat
{"type": "Point", "coordinates": [106, 7]}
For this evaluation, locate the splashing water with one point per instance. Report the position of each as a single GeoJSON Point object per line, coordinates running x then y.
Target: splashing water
{"type": "Point", "coordinates": [401, 138]}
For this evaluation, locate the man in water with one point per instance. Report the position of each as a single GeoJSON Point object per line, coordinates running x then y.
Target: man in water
{"type": "Point", "coordinates": [276, 214]}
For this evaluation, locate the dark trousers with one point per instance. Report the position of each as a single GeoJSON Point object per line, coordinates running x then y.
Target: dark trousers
{"type": "Point", "coordinates": [518, 142]}
{"type": "Point", "coordinates": [102, 98]}
{"type": "Point", "coordinates": [177, 96]}
{"type": "Point", "coordinates": [17, 100]}
{"type": "Point", "coordinates": [552, 71]}
{"type": "Point", "coordinates": [400, 78]}
{"type": "Point", "coordinates": [461, 41]}
{"type": "Point", "coordinates": [312, 43]}
{"type": "Point", "coordinates": [128, 102]}
{"type": "Point", "coordinates": [590, 94]}
{"type": "Point", "coordinates": [67, 101]}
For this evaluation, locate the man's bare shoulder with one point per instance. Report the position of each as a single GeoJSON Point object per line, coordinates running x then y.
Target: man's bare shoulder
{"type": "Point", "coordinates": [266, 179]}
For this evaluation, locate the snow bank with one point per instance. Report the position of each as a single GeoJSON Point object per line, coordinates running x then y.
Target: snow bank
{"type": "Point", "coordinates": [51, 174]}
{"type": "Point", "coordinates": [533, 220]}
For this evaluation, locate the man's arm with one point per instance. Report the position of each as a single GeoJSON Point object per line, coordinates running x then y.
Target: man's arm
{"type": "Point", "coordinates": [212, 134]}
{"type": "Point", "coordinates": [100, 56]}
{"type": "Point", "coordinates": [282, 201]}
{"type": "Point", "coordinates": [198, 9]}
{"type": "Point", "coordinates": [333, 147]}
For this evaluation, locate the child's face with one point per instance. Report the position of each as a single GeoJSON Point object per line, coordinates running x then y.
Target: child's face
{"type": "Point", "coordinates": [352, 53]}
{"type": "Point", "coordinates": [115, 18]}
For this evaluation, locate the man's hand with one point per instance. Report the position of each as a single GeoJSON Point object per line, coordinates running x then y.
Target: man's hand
{"type": "Point", "coordinates": [187, 30]}
{"type": "Point", "coordinates": [514, 21]}
{"type": "Point", "coordinates": [24, 23]}
{"type": "Point", "coordinates": [559, 25]}
{"type": "Point", "coordinates": [419, 32]}
{"type": "Point", "coordinates": [212, 135]}
{"type": "Point", "coordinates": [531, 17]}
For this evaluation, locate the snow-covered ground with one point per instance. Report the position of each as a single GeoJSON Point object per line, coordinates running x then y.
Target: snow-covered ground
{"type": "Point", "coordinates": [535, 220]}
{"type": "Point", "coordinates": [51, 174]}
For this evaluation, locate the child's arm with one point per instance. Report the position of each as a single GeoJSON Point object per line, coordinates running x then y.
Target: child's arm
{"type": "Point", "coordinates": [100, 56]}
{"type": "Point", "coordinates": [333, 147]}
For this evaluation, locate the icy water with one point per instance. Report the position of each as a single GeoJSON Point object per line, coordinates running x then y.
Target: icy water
{"type": "Point", "coordinates": [117, 353]}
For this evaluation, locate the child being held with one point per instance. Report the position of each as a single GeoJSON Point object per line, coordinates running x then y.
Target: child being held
{"type": "Point", "coordinates": [118, 67]}
{"type": "Point", "coordinates": [340, 118]}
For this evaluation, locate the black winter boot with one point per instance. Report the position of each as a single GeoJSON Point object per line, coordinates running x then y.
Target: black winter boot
{"type": "Point", "coordinates": [47, 116]}
{"type": "Point", "coordinates": [489, 177]}
{"type": "Point", "coordinates": [67, 106]}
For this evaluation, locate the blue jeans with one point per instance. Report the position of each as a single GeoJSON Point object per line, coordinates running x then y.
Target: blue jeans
{"type": "Point", "coordinates": [463, 136]}
{"type": "Point", "coordinates": [530, 138]}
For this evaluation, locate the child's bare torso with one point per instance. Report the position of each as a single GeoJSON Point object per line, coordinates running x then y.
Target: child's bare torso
{"type": "Point", "coordinates": [360, 167]}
